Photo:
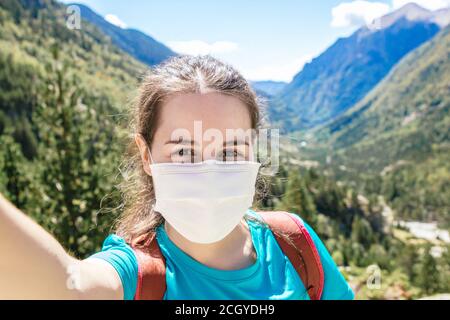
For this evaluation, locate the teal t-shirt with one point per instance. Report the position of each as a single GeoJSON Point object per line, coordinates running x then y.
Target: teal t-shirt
{"type": "Point", "coordinates": [271, 277]}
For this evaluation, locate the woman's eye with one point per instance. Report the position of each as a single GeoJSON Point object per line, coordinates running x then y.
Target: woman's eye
{"type": "Point", "coordinates": [232, 155]}
{"type": "Point", "coordinates": [183, 155]}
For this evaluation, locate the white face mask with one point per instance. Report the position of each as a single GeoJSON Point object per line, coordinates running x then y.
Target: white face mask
{"type": "Point", "coordinates": [204, 201]}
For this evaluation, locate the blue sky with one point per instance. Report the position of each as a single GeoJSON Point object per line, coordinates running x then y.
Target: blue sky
{"type": "Point", "coordinates": [264, 39]}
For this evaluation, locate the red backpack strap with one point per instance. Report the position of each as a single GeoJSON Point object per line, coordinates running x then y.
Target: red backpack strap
{"type": "Point", "coordinates": [304, 256]}
{"type": "Point", "coordinates": [151, 268]}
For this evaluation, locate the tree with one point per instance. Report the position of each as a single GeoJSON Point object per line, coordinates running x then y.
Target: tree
{"type": "Point", "coordinates": [298, 199]}
{"type": "Point", "coordinates": [428, 275]}
{"type": "Point", "coordinates": [15, 182]}
{"type": "Point", "coordinates": [330, 202]}
{"type": "Point", "coordinates": [362, 232]}
{"type": "Point", "coordinates": [408, 260]}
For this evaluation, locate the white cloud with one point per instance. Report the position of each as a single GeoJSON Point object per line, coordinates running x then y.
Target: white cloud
{"type": "Point", "coordinates": [196, 47]}
{"type": "Point", "coordinates": [279, 72]}
{"type": "Point", "coordinates": [113, 19]}
{"type": "Point", "coordinates": [357, 13]}
{"type": "Point", "coordinates": [427, 4]}
{"type": "Point", "coordinates": [361, 12]}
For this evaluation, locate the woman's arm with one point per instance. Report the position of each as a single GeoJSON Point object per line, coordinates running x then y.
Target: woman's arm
{"type": "Point", "coordinates": [33, 265]}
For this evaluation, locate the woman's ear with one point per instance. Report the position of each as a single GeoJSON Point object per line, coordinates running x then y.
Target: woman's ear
{"type": "Point", "coordinates": [144, 152]}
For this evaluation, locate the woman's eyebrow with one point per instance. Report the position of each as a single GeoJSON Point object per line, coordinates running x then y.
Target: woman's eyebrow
{"type": "Point", "coordinates": [180, 141]}
{"type": "Point", "coordinates": [235, 142]}
{"type": "Point", "coordinates": [191, 142]}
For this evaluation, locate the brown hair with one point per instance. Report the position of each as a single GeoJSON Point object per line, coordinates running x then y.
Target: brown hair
{"type": "Point", "coordinates": [180, 74]}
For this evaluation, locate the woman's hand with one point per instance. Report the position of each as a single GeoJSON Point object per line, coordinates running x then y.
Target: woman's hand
{"type": "Point", "coordinates": [33, 265]}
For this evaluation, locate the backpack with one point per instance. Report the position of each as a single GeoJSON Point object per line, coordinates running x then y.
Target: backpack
{"type": "Point", "coordinates": [303, 256]}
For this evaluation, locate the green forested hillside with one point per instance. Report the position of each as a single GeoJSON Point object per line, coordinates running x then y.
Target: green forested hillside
{"type": "Point", "coordinates": [398, 137]}
{"type": "Point", "coordinates": [62, 102]}
{"type": "Point", "coordinates": [29, 32]}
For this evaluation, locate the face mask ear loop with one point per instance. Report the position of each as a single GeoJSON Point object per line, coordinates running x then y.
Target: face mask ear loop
{"type": "Point", "coordinates": [151, 162]}
{"type": "Point", "coordinates": [150, 154]}
{"type": "Point", "coordinates": [252, 155]}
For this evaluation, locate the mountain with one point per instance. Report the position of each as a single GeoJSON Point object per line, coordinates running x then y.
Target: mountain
{"type": "Point", "coordinates": [404, 103]}
{"type": "Point", "coordinates": [341, 76]}
{"type": "Point", "coordinates": [399, 134]}
{"type": "Point", "coordinates": [31, 34]}
{"type": "Point", "coordinates": [270, 88]}
{"type": "Point", "coordinates": [134, 42]}
{"type": "Point", "coordinates": [413, 12]}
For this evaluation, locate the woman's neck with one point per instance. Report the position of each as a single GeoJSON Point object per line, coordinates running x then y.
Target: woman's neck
{"type": "Point", "coordinates": [235, 251]}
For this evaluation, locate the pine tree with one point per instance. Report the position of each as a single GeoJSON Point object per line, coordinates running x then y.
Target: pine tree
{"type": "Point", "coordinates": [15, 182]}
{"type": "Point", "coordinates": [408, 260]}
{"type": "Point", "coordinates": [428, 275]}
{"type": "Point", "coordinates": [298, 199]}
{"type": "Point", "coordinates": [362, 232]}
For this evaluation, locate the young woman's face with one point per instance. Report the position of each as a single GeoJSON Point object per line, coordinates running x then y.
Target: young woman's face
{"type": "Point", "coordinates": [196, 127]}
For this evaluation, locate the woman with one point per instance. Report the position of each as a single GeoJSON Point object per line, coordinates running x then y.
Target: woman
{"type": "Point", "coordinates": [176, 190]}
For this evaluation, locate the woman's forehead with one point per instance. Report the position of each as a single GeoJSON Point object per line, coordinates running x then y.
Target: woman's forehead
{"type": "Point", "coordinates": [210, 111]}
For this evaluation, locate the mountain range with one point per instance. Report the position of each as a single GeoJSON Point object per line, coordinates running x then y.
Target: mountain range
{"type": "Point", "coordinates": [398, 136]}
{"type": "Point", "coordinates": [412, 99]}
{"type": "Point", "coordinates": [269, 87]}
{"type": "Point", "coordinates": [134, 42]}
{"type": "Point", "coordinates": [373, 111]}
{"type": "Point", "coordinates": [341, 76]}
